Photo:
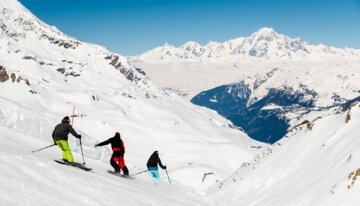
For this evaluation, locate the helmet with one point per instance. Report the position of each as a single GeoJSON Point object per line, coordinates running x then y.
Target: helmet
{"type": "Point", "coordinates": [65, 120]}
{"type": "Point", "coordinates": [117, 134]}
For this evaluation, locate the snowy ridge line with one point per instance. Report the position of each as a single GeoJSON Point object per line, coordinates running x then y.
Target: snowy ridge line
{"type": "Point", "coordinates": [265, 43]}
{"type": "Point", "coordinates": [20, 27]}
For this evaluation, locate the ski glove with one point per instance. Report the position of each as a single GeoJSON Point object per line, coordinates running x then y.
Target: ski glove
{"type": "Point", "coordinates": [79, 136]}
{"type": "Point", "coordinates": [164, 167]}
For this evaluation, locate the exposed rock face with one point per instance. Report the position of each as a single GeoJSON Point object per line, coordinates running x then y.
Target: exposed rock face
{"type": "Point", "coordinates": [13, 77]}
{"type": "Point", "coordinates": [348, 115]}
{"type": "Point", "coordinates": [353, 177]}
{"type": "Point", "coordinates": [3, 74]}
{"type": "Point", "coordinates": [114, 60]}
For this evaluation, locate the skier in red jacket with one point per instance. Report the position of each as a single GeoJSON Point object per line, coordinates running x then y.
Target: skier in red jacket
{"type": "Point", "coordinates": [117, 158]}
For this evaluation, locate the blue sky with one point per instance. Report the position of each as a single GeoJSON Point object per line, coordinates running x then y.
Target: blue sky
{"type": "Point", "coordinates": [132, 27]}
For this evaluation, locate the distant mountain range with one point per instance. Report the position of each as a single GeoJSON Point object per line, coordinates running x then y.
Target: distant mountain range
{"type": "Point", "coordinates": [264, 83]}
{"type": "Point", "coordinates": [265, 43]}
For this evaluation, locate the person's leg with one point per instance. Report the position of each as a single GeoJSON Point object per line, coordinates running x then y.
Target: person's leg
{"type": "Point", "coordinates": [66, 152]}
{"type": "Point", "coordinates": [155, 174]}
{"type": "Point", "coordinates": [123, 166]}
{"type": "Point", "coordinates": [113, 163]}
{"type": "Point", "coordinates": [125, 170]}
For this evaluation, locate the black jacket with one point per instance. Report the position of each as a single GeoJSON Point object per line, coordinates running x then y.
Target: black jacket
{"type": "Point", "coordinates": [154, 160]}
{"type": "Point", "coordinates": [116, 143]}
{"type": "Point", "coordinates": [62, 131]}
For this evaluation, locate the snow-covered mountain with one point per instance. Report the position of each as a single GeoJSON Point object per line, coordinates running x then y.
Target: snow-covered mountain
{"type": "Point", "coordinates": [44, 74]}
{"type": "Point", "coordinates": [258, 80]}
{"type": "Point", "coordinates": [265, 43]}
{"type": "Point", "coordinates": [192, 68]}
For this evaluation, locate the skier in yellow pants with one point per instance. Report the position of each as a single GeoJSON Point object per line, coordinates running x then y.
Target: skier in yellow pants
{"type": "Point", "coordinates": [60, 136]}
{"type": "Point", "coordinates": [66, 152]}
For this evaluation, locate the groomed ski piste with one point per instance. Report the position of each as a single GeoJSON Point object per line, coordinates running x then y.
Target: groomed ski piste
{"type": "Point", "coordinates": [44, 74]}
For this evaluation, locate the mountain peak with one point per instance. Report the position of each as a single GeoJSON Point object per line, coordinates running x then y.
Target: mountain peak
{"type": "Point", "coordinates": [267, 33]}
{"type": "Point", "coordinates": [14, 6]}
{"type": "Point", "coordinates": [266, 30]}
{"type": "Point", "coordinates": [167, 45]}
{"type": "Point", "coordinates": [8, 3]}
{"type": "Point", "coordinates": [190, 45]}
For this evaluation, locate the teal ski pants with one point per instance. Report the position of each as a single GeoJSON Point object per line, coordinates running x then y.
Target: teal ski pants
{"type": "Point", "coordinates": [155, 174]}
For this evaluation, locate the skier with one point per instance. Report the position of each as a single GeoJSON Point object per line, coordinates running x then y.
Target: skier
{"type": "Point", "coordinates": [117, 158]}
{"type": "Point", "coordinates": [60, 137]}
{"type": "Point", "coordinates": [152, 166]}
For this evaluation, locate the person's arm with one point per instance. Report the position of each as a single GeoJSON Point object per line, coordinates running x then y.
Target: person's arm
{"type": "Point", "coordinates": [148, 163]}
{"type": "Point", "coordinates": [53, 135]}
{"type": "Point", "coordinates": [122, 151]}
{"type": "Point", "coordinates": [104, 143]}
{"type": "Point", "coordinates": [72, 131]}
{"type": "Point", "coordinates": [160, 164]}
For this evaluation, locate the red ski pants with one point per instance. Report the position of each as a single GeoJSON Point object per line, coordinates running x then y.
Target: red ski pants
{"type": "Point", "coordinates": [119, 160]}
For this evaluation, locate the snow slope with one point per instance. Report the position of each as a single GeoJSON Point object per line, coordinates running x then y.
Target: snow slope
{"type": "Point", "coordinates": [35, 179]}
{"type": "Point", "coordinates": [314, 165]}
{"type": "Point", "coordinates": [45, 73]}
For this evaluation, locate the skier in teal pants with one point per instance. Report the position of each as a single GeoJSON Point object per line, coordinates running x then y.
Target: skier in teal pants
{"type": "Point", "coordinates": [152, 166]}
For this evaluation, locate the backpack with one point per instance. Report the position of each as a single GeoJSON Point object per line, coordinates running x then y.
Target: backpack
{"type": "Point", "coordinates": [153, 160]}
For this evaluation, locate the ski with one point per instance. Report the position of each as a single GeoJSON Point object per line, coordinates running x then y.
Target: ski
{"type": "Point", "coordinates": [74, 164]}
{"type": "Point", "coordinates": [120, 175]}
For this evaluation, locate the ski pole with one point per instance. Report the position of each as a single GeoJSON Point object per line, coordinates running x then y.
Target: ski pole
{"type": "Point", "coordinates": [82, 153]}
{"type": "Point", "coordinates": [139, 172]}
{"type": "Point", "coordinates": [167, 175]}
{"type": "Point", "coordinates": [43, 148]}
